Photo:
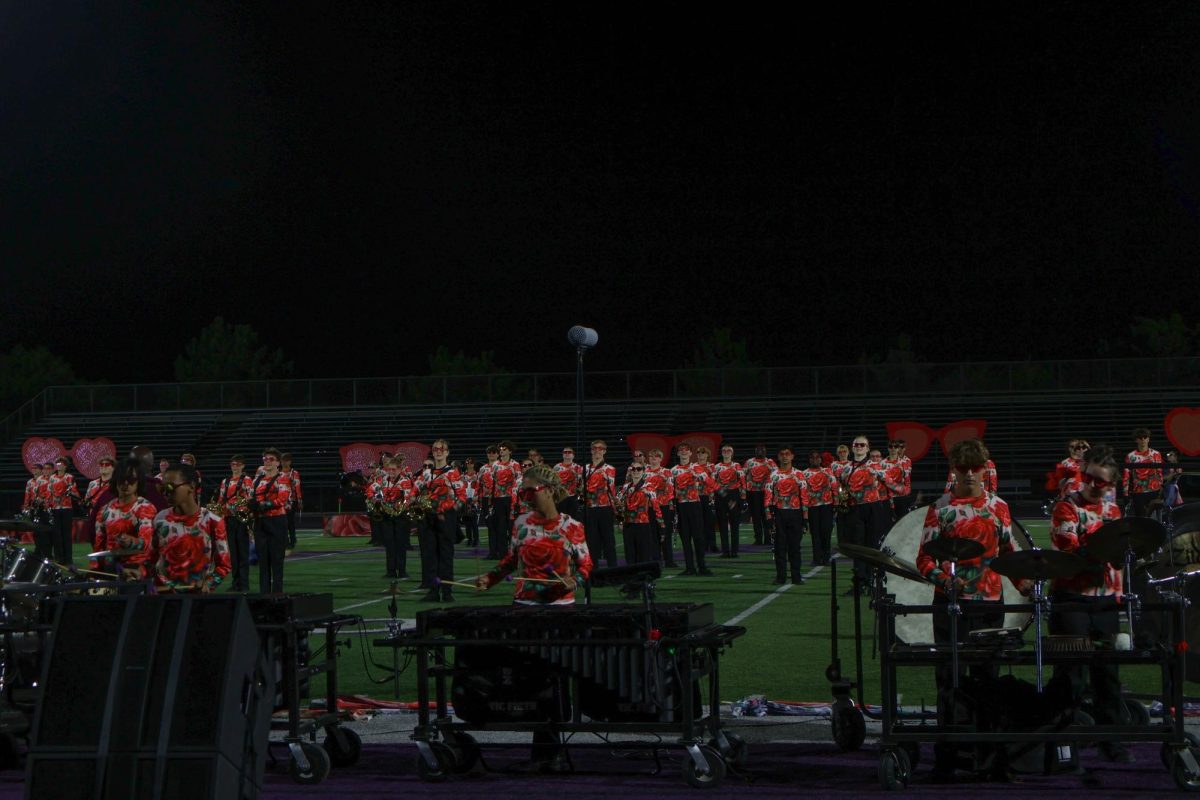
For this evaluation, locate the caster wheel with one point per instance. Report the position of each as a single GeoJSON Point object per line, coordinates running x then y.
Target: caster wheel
{"type": "Point", "coordinates": [465, 750]}
{"type": "Point", "coordinates": [1138, 713]}
{"type": "Point", "coordinates": [344, 747]}
{"type": "Point", "coordinates": [894, 770]}
{"type": "Point", "coordinates": [737, 753]}
{"type": "Point", "coordinates": [704, 780]}
{"type": "Point", "coordinates": [445, 763]}
{"type": "Point", "coordinates": [1167, 753]}
{"type": "Point", "coordinates": [1184, 777]}
{"type": "Point", "coordinates": [849, 727]}
{"type": "Point", "coordinates": [913, 751]}
{"type": "Point", "coordinates": [318, 765]}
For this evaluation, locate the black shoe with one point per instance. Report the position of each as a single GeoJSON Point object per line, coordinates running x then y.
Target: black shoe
{"type": "Point", "coordinates": [688, 572]}
{"type": "Point", "coordinates": [706, 572]}
{"type": "Point", "coordinates": [430, 597]}
{"type": "Point", "coordinates": [779, 582]}
{"type": "Point", "coordinates": [798, 580]}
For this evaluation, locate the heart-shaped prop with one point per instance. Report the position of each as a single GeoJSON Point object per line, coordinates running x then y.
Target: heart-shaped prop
{"type": "Point", "coordinates": [358, 456]}
{"type": "Point", "coordinates": [37, 450]}
{"type": "Point", "coordinates": [86, 453]}
{"type": "Point", "coordinates": [1183, 429]}
{"type": "Point", "coordinates": [414, 454]}
{"type": "Point", "coordinates": [646, 442]}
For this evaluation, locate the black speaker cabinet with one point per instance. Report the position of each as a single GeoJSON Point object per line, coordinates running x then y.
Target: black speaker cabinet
{"type": "Point", "coordinates": [151, 697]}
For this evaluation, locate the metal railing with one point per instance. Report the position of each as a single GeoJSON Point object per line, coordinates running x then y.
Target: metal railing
{"type": "Point", "coordinates": [559, 387]}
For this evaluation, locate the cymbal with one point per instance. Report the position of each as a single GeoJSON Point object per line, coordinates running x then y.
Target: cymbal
{"type": "Point", "coordinates": [1038, 564]}
{"type": "Point", "coordinates": [1139, 535]}
{"type": "Point", "coordinates": [878, 558]}
{"type": "Point", "coordinates": [24, 526]}
{"type": "Point", "coordinates": [954, 548]}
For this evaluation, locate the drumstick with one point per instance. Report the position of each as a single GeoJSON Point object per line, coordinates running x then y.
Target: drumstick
{"type": "Point", "coordinates": [561, 579]}
{"type": "Point", "coordinates": [444, 582]}
{"type": "Point", "coordinates": [72, 568]}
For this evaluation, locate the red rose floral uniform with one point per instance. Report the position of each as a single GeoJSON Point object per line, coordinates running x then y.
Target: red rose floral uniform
{"type": "Point", "coordinates": [233, 493]}
{"type": "Point", "coordinates": [687, 480]}
{"type": "Point", "coordinates": [192, 554]}
{"type": "Point", "coordinates": [571, 475]}
{"type": "Point", "coordinates": [268, 500]}
{"type": "Point", "coordinates": [1096, 593]}
{"type": "Point", "coordinates": [599, 492]}
{"type": "Point", "coordinates": [62, 494]}
{"type": "Point", "coordinates": [869, 514]}
{"type": "Point", "coordinates": [658, 479]}
{"type": "Point", "coordinates": [823, 490]}
{"type": "Point", "coordinates": [731, 493]}
{"type": "Point", "coordinates": [1142, 485]}
{"type": "Point", "coordinates": [757, 471]}
{"type": "Point", "coordinates": [786, 497]}
{"type": "Point", "coordinates": [438, 528]}
{"type": "Point", "coordinates": [638, 505]}
{"type": "Point", "coordinates": [500, 488]}
{"type": "Point", "coordinates": [128, 526]}
{"type": "Point", "coordinates": [968, 513]}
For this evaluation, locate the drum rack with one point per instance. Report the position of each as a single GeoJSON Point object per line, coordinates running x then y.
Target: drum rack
{"type": "Point", "coordinates": [284, 638]}
{"type": "Point", "coordinates": [446, 746]}
{"type": "Point", "coordinates": [899, 742]}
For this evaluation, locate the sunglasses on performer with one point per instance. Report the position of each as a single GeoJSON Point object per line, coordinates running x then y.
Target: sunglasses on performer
{"type": "Point", "coordinates": [856, 444]}
{"type": "Point", "coordinates": [1099, 483]}
{"type": "Point", "coordinates": [528, 493]}
{"type": "Point", "coordinates": [968, 468]}
{"type": "Point", "coordinates": [637, 469]}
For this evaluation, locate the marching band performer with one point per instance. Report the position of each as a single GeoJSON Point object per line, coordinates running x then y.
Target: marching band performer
{"type": "Point", "coordinates": [189, 540]}
{"type": "Point", "coordinates": [126, 523]}
{"type": "Point", "coordinates": [658, 478]}
{"type": "Point", "coordinates": [786, 499]}
{"type": "Point", "coordinates": [373, 491]}
{"type": "Point", "coordinates": [485, 498]}
{"type": "Point", "coordinates": [505, 480]}
{"type": "Point", "coordinates": [570, 475]}
{"type": "Point", "coordinates": [822, 492]}
{"type": "Point", "coordinates": [63, 493]}
{"type": "Point", "coordinates": [29, 503]}
{"type": "Point", "coordinates": [190, 460]}
{"type": "Point", "coordinates": [638, 458]}
{"type": "Point", "coordinates": [233, 494]}
{"type": "Point", "coordinates": [436, 530]}
{"type": "Point", "coordinates": [1075, 518]}
{"type": "Point", "coordinates": [295, 499]}
{"type": "Point", "coordinates": [731, 494]}
{"type": "Point", "coordinates": [902, 500]}
{"type": "Point", "coordinates": [395, 492]}
{"type": "Point", "coordinates": [868, 514]}
{"type": "Point", "coordinates": [268, 500]}
{"type": "Point", "coordinates": [638, 505]}
{"type": "Point", "coordinates": [708, 490]}
{"type": "Point", "coordinates": [1141, 485]}
{"type": "Point", "coordinates": [470, 515]}
{"type": "Point", "coordinates": [599, 491]}
{"type": "Point", "coordinates": [1067, 477]}
{"type": "Point", "coordinates": [968, 512]}
{"type": "Point", "coordinates": [95, 487]}
{"type": "Point", "coordinates": [686, 481]}
{"type": "Point", "coordinates": [758, 471]}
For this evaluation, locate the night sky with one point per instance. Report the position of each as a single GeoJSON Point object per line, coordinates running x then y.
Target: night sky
{"type": "Point", "coordinates": [365, 181]}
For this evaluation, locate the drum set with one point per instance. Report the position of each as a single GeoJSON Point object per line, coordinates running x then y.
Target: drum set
{"type": "Point", "coordinates": [1158, 563]}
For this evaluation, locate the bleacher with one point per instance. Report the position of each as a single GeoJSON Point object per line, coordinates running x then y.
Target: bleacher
{"type": "Point", "coordinates": [1026, 432]}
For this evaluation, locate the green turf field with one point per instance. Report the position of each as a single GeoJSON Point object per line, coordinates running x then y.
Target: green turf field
{"type": "Point", "coordinates": [783, 656]}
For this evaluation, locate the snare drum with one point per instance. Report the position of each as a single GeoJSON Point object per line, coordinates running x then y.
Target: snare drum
{"type": "Point", "coordinates": [904, 541]}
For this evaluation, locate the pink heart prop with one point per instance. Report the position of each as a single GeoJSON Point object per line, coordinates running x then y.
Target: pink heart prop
{"type": "Point", "coordinates": [358, 456]}
{"type": "Point", "coordinates": [86, 453]}
{"type": "Point", "coordinates": [1183, 429]}
{"type": "Point", "coordinates": [37, 450]}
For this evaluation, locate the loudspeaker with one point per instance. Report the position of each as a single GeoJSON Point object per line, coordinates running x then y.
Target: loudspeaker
{"type": "Point", "coordinates": [151, 697]}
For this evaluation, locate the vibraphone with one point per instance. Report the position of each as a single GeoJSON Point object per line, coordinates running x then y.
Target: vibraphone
{"type": "Point", "coordinates": [570, 669]}
{"type": "Point", "coordinates": [284, 623]}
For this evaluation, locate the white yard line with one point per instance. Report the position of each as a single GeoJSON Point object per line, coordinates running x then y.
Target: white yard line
{"type": "Point", "coordinates": [772, 597]}
{"type": "Point", "coordinates": [338, 580]}
{"type": "Point", "coordinates": [384, 599]}
{"type": "Point", "coordinates": [736, 576]}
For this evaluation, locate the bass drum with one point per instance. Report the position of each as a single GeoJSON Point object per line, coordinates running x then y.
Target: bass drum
{"type": "Point", "coordinates": [904, 541]}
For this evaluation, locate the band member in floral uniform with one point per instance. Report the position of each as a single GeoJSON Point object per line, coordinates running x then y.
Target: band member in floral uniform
{"type": "Point", "coordinates": [758, 471]}
{"type": "Point", "coordinates": [731, 493]}
{"type": "Point", "coordinates": [968, 512]}
{"type": "Point", "coordinates": [126, 524]}
{"type": "Point", "coordinates": [63, 493]}
{"type": "Point", "coordinates": [295, 499]}
{"type": "Point", "coordinates": [504, 478]}
{"type": "Point", "coordinates": [233, 494]}
{"type": "Point", "coordinates": [658, 478]}
{"type": "Point", "coordinates": [1067, 476]}
{"type": "Point", "coordinates": [1074, 519]}
{"type": "Point", "coordinates": [571, 475]}
{"type": "Point", "coordinates": [32, 487]}
{"type": "Point", "coordinates": [638, 505]}
{"type": "Point", "coordinates": [868, 515]}
{"type": "Point", "coordinates": [786, 497]}
{"type": "Point", "coordinates": [708, 491]}
{"type": "Point", "coordinates": [599, 492]}
{"type": "Point", "coordinates": [191, 552]}
{"type": "Point", "coordinates": [547, 546]}
{"type": "Point", "coordinates": [470, 515]}
{"type": "Point", "coordinates": [98, 485]}
{"type": "Point", "coordinates": [437, 529]}
{"type": "Point", "coordinates": [897, 461]}
{"type": "Point", "coordinates": [1142, 485]}
{"type": "Point", "coordinates": [268, 500]}
{"type": "Point", "coordinates": [822, 493]}
{"type": "Point", "coordinates": [395, 491]}
{"type": "Point", "coordinates": [687, 480]}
